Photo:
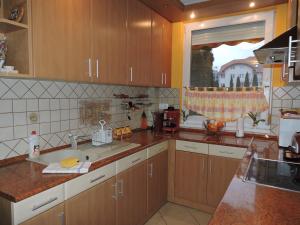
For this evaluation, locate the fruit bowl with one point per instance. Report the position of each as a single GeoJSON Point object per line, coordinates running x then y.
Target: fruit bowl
{"type": "Point", "coordinates": [213, 127]}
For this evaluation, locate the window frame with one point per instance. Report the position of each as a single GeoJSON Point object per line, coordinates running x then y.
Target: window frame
{"type": "Point", "coordinates": [267, 17]}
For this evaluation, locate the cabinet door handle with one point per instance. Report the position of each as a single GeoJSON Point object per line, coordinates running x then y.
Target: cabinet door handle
{"type": "Point", "coordinates": [151, 170]}
{"type": "Point", "coordinates": [121, 190]}
{"type": "Point", "coordinates": [203, 164]}
{"type": "Point", "coordinates": [62, 218]}
{"type": "Point", "coordinates": [36, 207]}
{"type": "Point", "coordinates": [165, 78]}
{"type": "Point", "coordinates": [162, 78]}
{"type": "Point", "coordinates": [115, 186]}
{"type": "Point", "coordinates": [90, 67]}
{"type": "Point", "coordinates": [136, 160]}
{"type": "Point", "coordinates": [210, 169]}
{"type": "Point", "coordinates": [97, 68]}
{"type": "Point", "coordinates": [131, 74]}
{"type": "Point", "coordinates": [97, 178]}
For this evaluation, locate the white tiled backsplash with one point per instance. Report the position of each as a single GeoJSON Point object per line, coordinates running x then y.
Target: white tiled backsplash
{"type": "Point", "coordinates": [283, 97]}
{"type": "Point", "coordinates": [57, 107]}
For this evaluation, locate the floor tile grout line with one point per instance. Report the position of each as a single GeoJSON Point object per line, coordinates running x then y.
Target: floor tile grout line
{"type": "Point", "coordinates": [189, 212]}
{"type": "Point", "coordinates": [162, 217]}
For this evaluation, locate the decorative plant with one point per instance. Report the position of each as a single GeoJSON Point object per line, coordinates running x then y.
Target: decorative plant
{"type": "Point", "coordinates": [254, 117]}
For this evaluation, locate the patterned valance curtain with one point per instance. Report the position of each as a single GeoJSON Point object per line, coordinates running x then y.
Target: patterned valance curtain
{"type": "Point", "coordinates": [225, 105]}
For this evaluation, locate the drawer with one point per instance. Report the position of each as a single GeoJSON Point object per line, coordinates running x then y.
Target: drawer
{"type": "Point", "coordinates": [195, 147]}
{"type": "Point", "coordinates": [129, 161]}
{"type": "Point", "coordinates": [156, 149]}
{"type": "Point", "coordinates": [84, 182]}
{"type": "Point", "coordinates": [227, 151]}
{"type": "Point", "coordinates": [37, 204]}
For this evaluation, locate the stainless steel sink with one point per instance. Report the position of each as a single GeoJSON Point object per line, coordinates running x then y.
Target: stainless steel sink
{"type": "Point", "coordinates": [86, 152]}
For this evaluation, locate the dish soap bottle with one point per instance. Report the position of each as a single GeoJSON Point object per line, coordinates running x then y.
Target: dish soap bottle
{"type": "Point", "coordinates": [34, 145]}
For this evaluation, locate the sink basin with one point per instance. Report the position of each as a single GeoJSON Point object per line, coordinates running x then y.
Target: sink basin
{"type": "Point", "coordinates": [57, 156]}
{"type": "Point", "coordinates": [86, 152]}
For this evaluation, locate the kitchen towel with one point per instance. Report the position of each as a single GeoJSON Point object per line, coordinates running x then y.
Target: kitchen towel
{"type": "Point", "coordinates": [82, 167]}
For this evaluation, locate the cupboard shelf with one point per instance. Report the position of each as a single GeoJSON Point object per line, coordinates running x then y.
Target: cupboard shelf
{"type": "Point", "coordinates": [7, 26]}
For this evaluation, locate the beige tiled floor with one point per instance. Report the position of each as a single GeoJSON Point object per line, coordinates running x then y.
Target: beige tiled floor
{"type": "Point", "coordinates": [171, 214]}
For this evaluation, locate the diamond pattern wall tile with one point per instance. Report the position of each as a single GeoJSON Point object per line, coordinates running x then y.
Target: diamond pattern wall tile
{"type": "Point", "coordinates": [67, 91]}
{"type": "Point", "coordinates": [294, 93]}
{"type": "Point", "coordinates": [4, 151]}
{"type": "Point", "coordinates": [3, 89]}
{"type": "Point", "coordinates": [53, 90]}
{"type": "Point", "coordinates": [37, 89]}
{"type": "Point", "coordinates": [9, 82]}
{"type": "Point", "coordinates": [279, 92]}
{"type": "Point", "coordinates": [19, 89]}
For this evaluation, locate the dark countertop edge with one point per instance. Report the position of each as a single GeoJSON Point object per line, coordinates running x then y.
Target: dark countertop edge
{"type": "Point", "coordinates": [108, 160]}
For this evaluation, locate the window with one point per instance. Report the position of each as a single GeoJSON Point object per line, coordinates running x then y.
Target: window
{"type": "Point", "coordinates": [221, 54]}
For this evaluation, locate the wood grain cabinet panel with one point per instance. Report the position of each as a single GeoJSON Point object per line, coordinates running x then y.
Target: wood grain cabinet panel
{"type": "Point", "coordinates": [161, 51]}
{"type": "Point", "coordinates": [132, 195]}
{"type": "Point", "coordinates": [157, 181]}
{"type": "Point", "coordinates": [190, 178]}
{"type": "Point", "coordinates": [95, 206]}
{"type": "Point", "coordinates": [220, 173]}
{"type": "Point", "coordinates": [54, 216]}
{"type": "Point", "coordinates": [61, 39]}
{"type": "Point", "coordinates": [109, 37]}
{"type": "Point", "coordinates": [139, 43]}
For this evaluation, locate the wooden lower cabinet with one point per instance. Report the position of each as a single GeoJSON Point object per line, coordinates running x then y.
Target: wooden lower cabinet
{"type": "Point", "coordinates": [157, 182]}
{"type": "Point", "coordinates": [190, 178]}
{"type": "Point", "coordinates": [96, 206]}
{"type": "Point", "coordinates": [132, 195]}
{"type": "Point", "coordinates": [220, 173]}
{"type": "Point", "coordinates": [54, 216]}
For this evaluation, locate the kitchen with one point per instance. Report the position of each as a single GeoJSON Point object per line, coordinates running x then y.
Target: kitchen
{"type": "Point", "coordinates": [105, 107]}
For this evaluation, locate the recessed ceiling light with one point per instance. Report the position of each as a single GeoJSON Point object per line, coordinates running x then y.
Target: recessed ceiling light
{"type": "Point", "coordinates": [252, 4]}
{"type": "Point", "coordinates": [192, 16]}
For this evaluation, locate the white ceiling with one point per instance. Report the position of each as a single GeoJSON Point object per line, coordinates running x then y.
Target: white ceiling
{"type": "Point", "coordinates": [190, 2]}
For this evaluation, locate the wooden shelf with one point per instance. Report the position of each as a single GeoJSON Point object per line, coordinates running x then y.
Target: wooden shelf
{"type": "Point", "coordinates": [7, 26]}
{"type": "Point", "coordinates": [15, 75]}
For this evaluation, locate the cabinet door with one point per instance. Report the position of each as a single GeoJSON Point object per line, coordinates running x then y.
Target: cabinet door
{"type": "Point", "coordinates": [61, 39]}
{"type": "Point", "coordinates": [190, 178]}
{"type": "Point", "coordinates": [167, 52]}
{"type": "Point", "coordinates": [220, 173]}
{"type": "Point", "coordinates": [139, 43]}
{"type": "Point", "coordinates": [157, 68]}
{"type": "Point", "coordinates": [132, 199]}
{"type": "Point", "coordinates": [102, 203]}
{"type": "Point", "coordinates": [157, 182]}
{"type": "Point", "coordinates": [54, 216]}
{"type": "Point", "coordinates": [94, 206]}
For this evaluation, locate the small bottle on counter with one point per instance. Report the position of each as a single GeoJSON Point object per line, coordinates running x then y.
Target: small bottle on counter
{"type": "Point", "coordinates": [34, 145]}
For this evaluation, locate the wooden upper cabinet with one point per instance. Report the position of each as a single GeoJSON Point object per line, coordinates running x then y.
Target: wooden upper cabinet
{"type": "Point", "coordinates": [190, 178]}
{"type": "Point", "coordinates": [220, 173]}
{"type": "Point", "coordinates": [157, 58]}
{"type": "Point", "coordinates": [61, 46]}
{"type": "Point", "coordinates": [167, 52]}
{"type": "Point", "coordinates": [138, 43]}
{"type": "Point", "coordinates": [54, 216]}
{"type": "Point", "coordinates": [109, 41]}
{"type": "Point", "coordinates": [161, 51]}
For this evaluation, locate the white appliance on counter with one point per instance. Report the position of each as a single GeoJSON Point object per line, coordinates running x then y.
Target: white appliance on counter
{"type": "Point", "coordinates": [288, 126]}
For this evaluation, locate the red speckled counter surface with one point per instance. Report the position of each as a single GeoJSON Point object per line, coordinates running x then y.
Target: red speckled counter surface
{"type": "Point", "coordinates": [243, 203]}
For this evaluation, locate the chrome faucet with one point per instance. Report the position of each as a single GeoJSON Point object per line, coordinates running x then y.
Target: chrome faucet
{"type": "Point", "coordinates": [74, 138]}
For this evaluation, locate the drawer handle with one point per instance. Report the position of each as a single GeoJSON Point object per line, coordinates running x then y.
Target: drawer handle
{"type": "Point", "coordinates": [44, 204]}
{"type": "Point", "coordinates": [98, 178]}
{"type": "Point", "coordinates": [228, 153]}
{"type": "Point", "coordinates": [136, 160]}
{"type": "Point", "coordinates": [191, 147]}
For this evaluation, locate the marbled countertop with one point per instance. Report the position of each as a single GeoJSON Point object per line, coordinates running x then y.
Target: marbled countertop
{"type": "Point", "coordinates": [243, 203]}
